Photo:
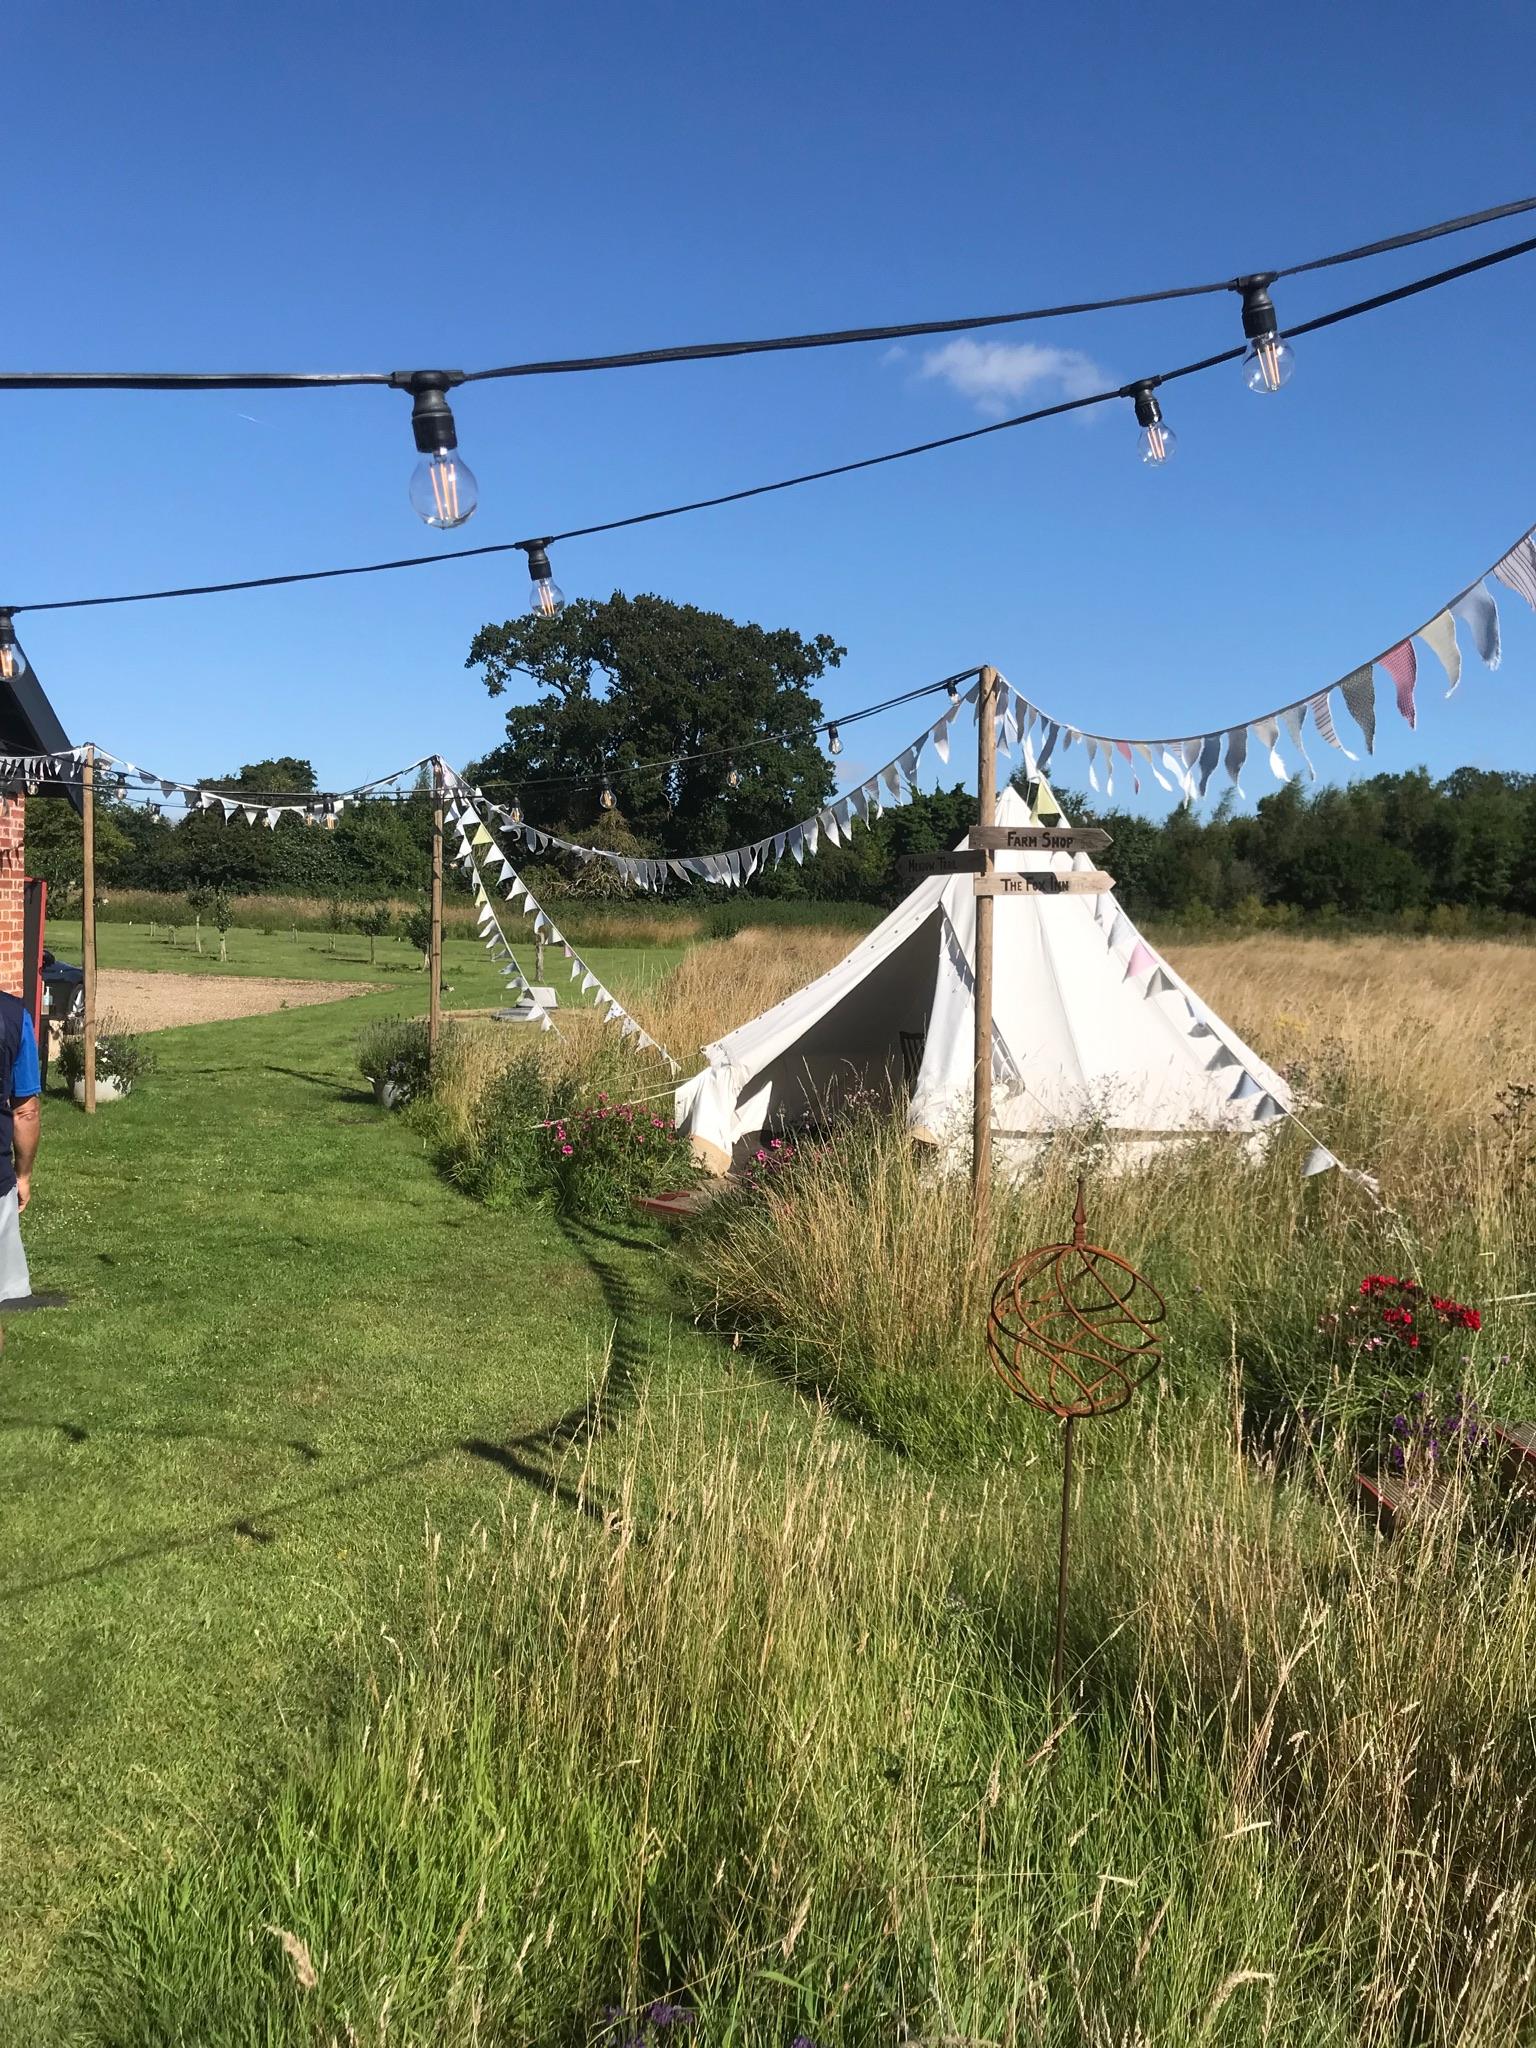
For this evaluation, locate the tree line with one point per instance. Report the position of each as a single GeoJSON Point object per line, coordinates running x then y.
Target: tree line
{"type": "Point", "coordinates": [657, 728]}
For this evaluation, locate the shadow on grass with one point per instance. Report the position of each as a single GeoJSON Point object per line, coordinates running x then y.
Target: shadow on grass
{"type": "Point", "coordinates": [612, 1400]}
{"type": "Point", "coordinates": [78, 1433]}
{"type": "Point", "coordinates": [533, 1457]}
{"type": "Point", "coordinates": [342, 1090]}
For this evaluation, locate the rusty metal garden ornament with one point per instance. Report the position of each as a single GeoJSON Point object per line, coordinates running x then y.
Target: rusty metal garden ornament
{"type": "Point", "coordinates": [1073, 1329]}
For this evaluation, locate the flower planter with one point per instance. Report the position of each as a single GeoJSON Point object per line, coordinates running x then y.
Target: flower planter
{"type": "Point", "coordinates": [108, 1088]}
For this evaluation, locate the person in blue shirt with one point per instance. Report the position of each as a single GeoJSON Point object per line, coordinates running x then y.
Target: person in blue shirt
{"type": "Point", "coordinates": [20, 1128]}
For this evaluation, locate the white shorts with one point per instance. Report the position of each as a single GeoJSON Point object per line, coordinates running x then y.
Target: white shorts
{"type": "Point", "coordinates": [15, 1280]}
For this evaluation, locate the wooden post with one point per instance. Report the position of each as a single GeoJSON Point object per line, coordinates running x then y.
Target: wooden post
{"type": "Point", "coordinates": [986, 814]}
{"type": "Point", "coordinates": [435, 949]}
{"type": "Point", "coordinates": [88, 920]}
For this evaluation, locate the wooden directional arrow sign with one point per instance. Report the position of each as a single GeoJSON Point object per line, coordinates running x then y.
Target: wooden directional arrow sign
{"type": "Point", "coordinates": [1041, 838]}
{"type": "Point", "coordinates": [1094, 883]}
{"type": "Point", "coordinates": [912, 866]}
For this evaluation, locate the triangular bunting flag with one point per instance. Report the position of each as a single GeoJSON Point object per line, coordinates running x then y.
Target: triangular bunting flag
{"type": "Point", "coordinates": [1479, 613]}
{"type": "Point", "coordinates": [1322, 718]}
{"type": "Point", "coordinates": [1318, 1160]}
{"type": "Point", "coordinates": [1293, 718]}
{"type": "Point", "coordinates": [1440, 637]}
{"type": "Point", "coordinates": [1518, 570]}
{"type": "Point", "coordinates": [1359, 693]}
{"type": "Point", "coordinates": [1402, 665]}
{"type": "Point", "coordinates": [1267, 731]}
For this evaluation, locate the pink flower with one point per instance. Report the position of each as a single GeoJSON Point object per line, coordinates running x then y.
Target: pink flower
{"type": "Point", "coordinates": [567, 1150]}
{"type": "Point", "coordinates": [762, 1157]}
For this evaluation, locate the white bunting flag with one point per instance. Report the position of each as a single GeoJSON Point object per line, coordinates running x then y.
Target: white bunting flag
{"type": "Point", "coordinates": [1479, 613]}
{"type": "Point", "coordinates": [1267, 732]}
{"type": "Point", "coordinates": [1318, 1160]}
{"type": "Point", "coordinates": [1293, 718]}
{"type": "Point", "coordinates": [1440, 637]}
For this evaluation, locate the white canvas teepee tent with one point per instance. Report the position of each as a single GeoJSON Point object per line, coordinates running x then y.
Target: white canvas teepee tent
{"type": "Point", "coordinates": [1089, 1026]}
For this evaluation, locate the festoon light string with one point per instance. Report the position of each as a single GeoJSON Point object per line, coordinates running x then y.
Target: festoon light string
{"type": "Point", "coordinates": [445, 493]}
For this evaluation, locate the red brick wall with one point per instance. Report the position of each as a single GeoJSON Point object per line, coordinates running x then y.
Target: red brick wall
{"type": "Point", "coordinates": [13, 867]}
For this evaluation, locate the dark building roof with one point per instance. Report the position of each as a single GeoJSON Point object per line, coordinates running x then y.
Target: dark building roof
{"type": "Point", "coordinates": [30, 725]}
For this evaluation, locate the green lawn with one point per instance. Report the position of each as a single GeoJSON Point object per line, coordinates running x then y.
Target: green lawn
{"type": "Point", "coordinates": [289, 1345]}
{"type": "Point", "coordinates": [468, 975]}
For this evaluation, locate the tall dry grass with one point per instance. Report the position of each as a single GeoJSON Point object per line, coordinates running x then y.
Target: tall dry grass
{"type": "Point", "coordinates": [755, 1715]}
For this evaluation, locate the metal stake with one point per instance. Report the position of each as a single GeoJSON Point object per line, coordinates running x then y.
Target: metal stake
{"type": "Point", "coordinates": [1058, 1661]}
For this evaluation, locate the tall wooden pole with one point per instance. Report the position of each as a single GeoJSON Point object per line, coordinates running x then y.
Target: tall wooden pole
{"type": "Point", "coordinates": [435, 949]}
{"type": "Point", "coordinates": [986, 813]}
{"type": "Point", "coordinates": [88, 920]}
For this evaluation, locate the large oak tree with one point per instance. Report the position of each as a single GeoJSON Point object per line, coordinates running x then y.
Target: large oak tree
{"type": "Point", "coordinates": [664, 700]}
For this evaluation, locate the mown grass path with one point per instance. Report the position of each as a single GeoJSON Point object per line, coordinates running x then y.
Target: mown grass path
{"type": "Point", "coordinates": [289, 1347]}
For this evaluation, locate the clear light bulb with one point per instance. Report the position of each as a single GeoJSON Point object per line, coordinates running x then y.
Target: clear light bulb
{"type": "Point", "coordinates": [443, 489]}
{"type": "Point", "coordinates": [545, 596]}
{"type": "Point", "coordinates": [1157, 442]}
{"type": "Point", "coordinates": [1268, 363]}
{"type": "Point", "coordinates": [607, 799]}
{"type": "Point", "coordinates": [733, 776]}
{"type": "Point", "coordinates": [13, 662]}
{"type": "Point", "coordinates": [514, 812]}
{"type": "Point", "coordinates": [834, 740]}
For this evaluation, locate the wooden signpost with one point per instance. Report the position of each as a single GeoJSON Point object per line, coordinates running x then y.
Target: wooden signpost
{"type": "Point", "coordinates": [1041, 838]}
{"type": "Point", "coordinates": [986, 839]}
{"type": "Point", "coordinates": [1093, 883]}
{"type": "Point", "coordinates": [88, 922]}
{"type": "Point", "coordinates": [913, 867]}
{"type": "Point", "coordinates": [435, 942]}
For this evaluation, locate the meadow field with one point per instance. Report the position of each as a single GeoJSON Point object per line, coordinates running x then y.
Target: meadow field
{"type": "Point", "coordinates": [438, 1621]}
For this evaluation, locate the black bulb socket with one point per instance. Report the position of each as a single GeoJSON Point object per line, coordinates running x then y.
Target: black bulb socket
{"type": "Point", "coordinates": [431, 414]}
{"type": "Point", "coordinates": [1258, 307]}
{"type": "Point", "coordinates": [537, 552]}
{"type": "Point", "coordinates": [1148, 412]}
{"type": "Point", "coordinates": [7, 628]}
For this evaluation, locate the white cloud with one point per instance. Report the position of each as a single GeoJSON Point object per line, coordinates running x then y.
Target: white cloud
{"type": "Point", "coordinates": [998, 375]}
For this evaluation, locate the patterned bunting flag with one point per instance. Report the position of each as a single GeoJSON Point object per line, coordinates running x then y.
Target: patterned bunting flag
{"type": "Point", "coordinates": [1359, 693]}
{"type": "Point", "coordinates": [1237, 754]}
{"type": "Point", "coordinates": [1402, 665]}
{"type": "Point", "coordinates": [1322, 717]}
{"type": "Point", "coordinates": [1518, 570]}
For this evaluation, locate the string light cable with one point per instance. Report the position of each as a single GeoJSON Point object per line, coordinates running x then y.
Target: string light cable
{"type": "Point", "coordinates": [420, 382]}
{"type": "Point", "coordinates": [1138, 391]}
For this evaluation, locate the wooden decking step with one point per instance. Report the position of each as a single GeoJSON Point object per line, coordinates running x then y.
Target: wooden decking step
{"type": "Point", "coordinates": [1392, 1497]}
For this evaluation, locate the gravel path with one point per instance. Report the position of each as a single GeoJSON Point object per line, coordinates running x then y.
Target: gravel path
{"type": "Point", "coordinates": [154, 1002]}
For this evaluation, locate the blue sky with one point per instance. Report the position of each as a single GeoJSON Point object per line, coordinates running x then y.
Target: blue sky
{"type": "Point", "coordinates": [384, 187]}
